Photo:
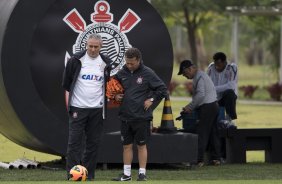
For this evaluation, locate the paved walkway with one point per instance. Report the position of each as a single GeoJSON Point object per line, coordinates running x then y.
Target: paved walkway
{"type": "Point", "coordinates": [253, 102]}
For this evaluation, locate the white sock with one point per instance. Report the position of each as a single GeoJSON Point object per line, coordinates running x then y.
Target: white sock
{"type": "Point", "coordinates": [142, 170]}
{"type": "Point", "coordinates": [127, 170]}
{"type": "Point", "coordinates": [227, 117]}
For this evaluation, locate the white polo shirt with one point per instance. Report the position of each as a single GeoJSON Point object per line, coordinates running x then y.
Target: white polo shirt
{"type": "Point", "coordinates": [88, 90]}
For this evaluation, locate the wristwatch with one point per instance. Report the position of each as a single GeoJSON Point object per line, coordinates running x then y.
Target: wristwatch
{"type": "Point", "coordinates": [151, 99]}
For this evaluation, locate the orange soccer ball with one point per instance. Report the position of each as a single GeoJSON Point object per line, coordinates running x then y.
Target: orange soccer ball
{"type": "Point", "coordinates": [78, 173]}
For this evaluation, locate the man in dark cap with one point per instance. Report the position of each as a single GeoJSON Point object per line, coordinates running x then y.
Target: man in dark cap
{"type": "Point", "coordinates": [204, 101]}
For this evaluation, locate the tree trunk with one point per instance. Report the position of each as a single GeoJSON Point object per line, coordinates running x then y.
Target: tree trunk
{"type": "Point", "coordinates": [191, 31]}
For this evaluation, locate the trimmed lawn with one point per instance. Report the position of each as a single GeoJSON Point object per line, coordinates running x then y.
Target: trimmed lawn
{"type": "Point", "coordinates": [236, 172]}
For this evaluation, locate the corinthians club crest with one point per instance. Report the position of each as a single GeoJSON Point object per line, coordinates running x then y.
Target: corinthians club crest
{"type": "Point", "coordinates": [115, 42]}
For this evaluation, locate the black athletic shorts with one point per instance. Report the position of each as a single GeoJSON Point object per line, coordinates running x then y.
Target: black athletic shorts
{"type": "Point", "coordinates": [135, 130]}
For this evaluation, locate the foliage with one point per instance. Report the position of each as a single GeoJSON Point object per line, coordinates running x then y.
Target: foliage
{"type": "Point", "coordinates": [208, 27]}
{"type": "Point", "coordinates": [248, 90]}
{"type": "Point", "coordinates": [266, 31]}
{"type": "Point", "coordinates": [190, 15]}
{"type": "Point", "coordinates": [275, 91]}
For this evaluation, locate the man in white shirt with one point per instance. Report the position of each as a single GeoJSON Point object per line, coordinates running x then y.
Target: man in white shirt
{"type": "Point", "coordinates": [84, 80]}
{"type": "Point", "coordinates": [225, 78]}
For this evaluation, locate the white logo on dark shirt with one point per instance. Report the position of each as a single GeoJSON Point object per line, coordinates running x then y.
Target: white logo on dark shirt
{"type": "Point", "coordinates": [74, 115]}
{"type": "Point", "coordinates": [139, 80]}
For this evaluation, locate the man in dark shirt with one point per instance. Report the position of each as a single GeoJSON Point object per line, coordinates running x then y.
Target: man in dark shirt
{"type": "Point", "coordinates": [142, 88]}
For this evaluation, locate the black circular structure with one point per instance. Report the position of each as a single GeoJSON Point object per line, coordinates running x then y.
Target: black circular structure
{"type": "Point", "coordinates": [36, 37]}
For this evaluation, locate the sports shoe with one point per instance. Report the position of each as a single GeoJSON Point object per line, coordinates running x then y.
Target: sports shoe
{"type": "Point", "coordinates": [215, 162]}
{"type": "Point", "coordinates": [200, 164]}
{"type": "Point", "coordinates": [122, 177]}
{"type": "Point", "coordinates": [142, 177]}
{"type": "Point", "coordinates": [222, 160]}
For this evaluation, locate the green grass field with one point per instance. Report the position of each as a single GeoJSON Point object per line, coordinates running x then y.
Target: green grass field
{"type": "Point", "coordinates": [250, 173]}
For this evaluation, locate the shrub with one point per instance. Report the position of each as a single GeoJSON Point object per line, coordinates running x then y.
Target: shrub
{"type": "Point", "coordinates": [248, 90]}
{"type": "Point", "coordinates": [172, 86]}
{"type": "Point", "coordinates": [275, 91]}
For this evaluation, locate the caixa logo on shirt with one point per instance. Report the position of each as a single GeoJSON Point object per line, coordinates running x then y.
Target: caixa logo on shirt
{"type": "Point", "coordinates": [115, 41]}
{"type": "Point", "coordinates": [92, 77]}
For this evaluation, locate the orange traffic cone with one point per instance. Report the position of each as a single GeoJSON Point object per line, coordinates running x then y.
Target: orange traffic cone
{"type": "Point", "coordinates": [167, 124]}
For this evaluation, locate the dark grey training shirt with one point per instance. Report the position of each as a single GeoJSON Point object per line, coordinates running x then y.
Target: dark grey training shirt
{"type": "Point", "coordinates": [138, 86]}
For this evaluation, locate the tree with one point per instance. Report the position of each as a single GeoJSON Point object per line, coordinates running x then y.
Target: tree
{"type": "Point", "coordinates": [193, 15]}
{"type": "Point", "coordinates": [190, 14]}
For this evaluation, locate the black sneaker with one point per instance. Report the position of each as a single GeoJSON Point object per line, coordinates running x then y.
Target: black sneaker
{"type": "Point", "coordinates": [122, 177]}
{"type": "Point", "coordinates": [216, 162]}
{"type": "Point", "coordinates": [142, 177]}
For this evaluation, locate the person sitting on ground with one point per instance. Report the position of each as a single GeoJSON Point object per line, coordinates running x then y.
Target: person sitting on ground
{"type": "Point", "coordinates": [225, 78]}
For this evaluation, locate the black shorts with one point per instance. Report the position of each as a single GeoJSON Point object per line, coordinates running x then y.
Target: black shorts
{"type": "Point", "coordinates": [135, 130]}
